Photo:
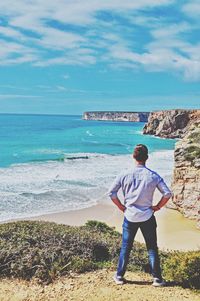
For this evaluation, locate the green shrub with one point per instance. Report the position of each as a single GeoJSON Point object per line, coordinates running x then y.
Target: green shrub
{"type": "Point", "coordinates": [46, 250]}
{"type": "Point", "coordinates": [183, 268]}
{"type": "Point", "coordinates": [101, 227]}
{"type": "Point", "coordinates": [192, 152]}
{"type": "Point", "coordinates": [195, 137]}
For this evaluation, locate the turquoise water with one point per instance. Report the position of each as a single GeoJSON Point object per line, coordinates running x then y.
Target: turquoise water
{"type": "Point", "coordinates": [60, 163]}
{"type": "Point", "coordinates": [27, 138]}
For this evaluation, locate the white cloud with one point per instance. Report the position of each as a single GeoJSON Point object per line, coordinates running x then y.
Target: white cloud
{"type": "Point", "coordinates": [57, 39]}
{"type": "Point", "coordinates": [171, 30]}
{"type": "Point", "coordinates": [66, 76]}
{"type": "Point", "coordinates": [15, 53]}
{"type": "Point", "coordinates": [39, 32]}
{"type": "Point", "coordinates": [34, 17]}
{"type": "Point", "coordinates": [192, 9]}
{"type": "Point", "coordinates": [61, 88]}
{"type": "Point", "coordinates": [10, 32]}
{"type": "Point", "coordinates": [160, 59]}
{"type": "Point", "coordinates": [13, 96]}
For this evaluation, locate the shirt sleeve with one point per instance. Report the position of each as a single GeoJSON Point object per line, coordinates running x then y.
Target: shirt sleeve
{"type": "Point", "coordinates": [116, 185]}
{"type": "Point", "coordinates": [163, 188]}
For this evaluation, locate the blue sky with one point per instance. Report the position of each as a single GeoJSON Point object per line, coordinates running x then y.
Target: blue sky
{"type": "Point", "coordinates": [70, 56]}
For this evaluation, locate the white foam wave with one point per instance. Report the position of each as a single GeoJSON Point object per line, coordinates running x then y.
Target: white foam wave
{"type": "Point", "coordinates": [89, 133]}
{"type": "Point", "coordinates": [42, 187]}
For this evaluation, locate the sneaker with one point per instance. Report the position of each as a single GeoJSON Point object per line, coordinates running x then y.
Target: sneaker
{"type": "Point", "coordinates": [118, 279]}
{"type": "Point", "coordinates": [158, 282]}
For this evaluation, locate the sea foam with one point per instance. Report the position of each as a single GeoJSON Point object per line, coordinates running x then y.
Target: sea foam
{"type": "Point", "coordinates": [78, 181]}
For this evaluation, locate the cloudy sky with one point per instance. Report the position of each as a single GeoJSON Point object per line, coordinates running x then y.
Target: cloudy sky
{"type": "Point", "coordinates": [70, 56]}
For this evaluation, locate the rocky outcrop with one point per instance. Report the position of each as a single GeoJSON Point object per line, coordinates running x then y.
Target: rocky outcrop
{"type": "Point", "coordinates": [117, 116]}
{"type": "Point", "coordinates": [186, 178]}
{"type": "Point", "coordinates": [170, 123]}
{"type": "Point", "coordinates": [183, 124]}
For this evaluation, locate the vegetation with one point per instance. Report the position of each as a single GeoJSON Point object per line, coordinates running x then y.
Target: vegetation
{"type": "Point", "coordinates": [46, 250]}
{"type": "Point", "coordinates": [184, 268]}
{"type": "Point", "coordinates": [194, 137]}
{"type": "Point", "coordinates": [192, 152]}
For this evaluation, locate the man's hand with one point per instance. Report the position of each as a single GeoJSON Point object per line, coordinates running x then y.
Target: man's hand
{"type": "Point", "coordinates": [122, 207]}
{"type": "Point", "coordinates": [117, 202]}
{"type": "Point", "coordinates": [162, 203]}
{"type": "Point", "coordinates": [155, 208]}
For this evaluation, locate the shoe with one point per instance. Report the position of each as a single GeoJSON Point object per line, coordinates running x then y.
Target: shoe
{"type": "Point", "coordinates": [158, 282]}
{"type": "Point", "coordinates": [118, 279]}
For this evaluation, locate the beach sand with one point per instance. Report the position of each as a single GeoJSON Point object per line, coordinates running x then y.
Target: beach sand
{"type": "Point", "coordinates": [174, 231]}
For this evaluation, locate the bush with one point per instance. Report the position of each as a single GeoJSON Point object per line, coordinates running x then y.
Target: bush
{"type": "Point", "coordinates": [183, 268]}
{"type": "Point", "coordinates": [46, 250]}
{"type": "Point", "coordinates": [101, 227]}
{"type": "Point", "coordinates": [195, 136]}
{"type": "Point", "coordinates": [192, 152]}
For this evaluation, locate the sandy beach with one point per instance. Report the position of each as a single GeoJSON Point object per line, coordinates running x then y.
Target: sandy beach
{"type": "Point", "coordinates": [174, 231]}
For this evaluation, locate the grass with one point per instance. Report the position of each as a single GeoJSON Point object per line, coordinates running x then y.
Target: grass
{"type": "Point", "coordinates": [46, 251]}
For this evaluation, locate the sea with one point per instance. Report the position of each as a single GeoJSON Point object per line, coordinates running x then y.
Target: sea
{"type": "Point", "coordinates": [56, 163]}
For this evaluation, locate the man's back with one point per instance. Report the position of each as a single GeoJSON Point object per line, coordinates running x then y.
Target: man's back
{"type": "Point", "coordinates": [138, 187]}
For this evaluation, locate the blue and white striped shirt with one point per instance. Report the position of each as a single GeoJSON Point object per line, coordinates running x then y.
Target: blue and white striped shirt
{"type": "Point", "coordinates": [138, 187]}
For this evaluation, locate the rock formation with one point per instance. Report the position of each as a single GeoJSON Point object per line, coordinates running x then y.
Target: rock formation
{"type": "Point", "coordinates": [186, 178]}
{"type": "Point", "coordinates": [169, 123]}
{"type": "Point", "coordinates": [117, 116]}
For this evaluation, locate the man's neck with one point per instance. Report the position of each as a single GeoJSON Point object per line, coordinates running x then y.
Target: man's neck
{"type": "Point", "coordinates": [140, 163]}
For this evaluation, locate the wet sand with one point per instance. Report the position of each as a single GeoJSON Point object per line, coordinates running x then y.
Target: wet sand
{"type": "Point", "coordinates": [174, 231]}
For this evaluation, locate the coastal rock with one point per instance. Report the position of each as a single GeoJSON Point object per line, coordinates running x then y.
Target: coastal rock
{"type": "Point", "coordinates": [170, 123]}
{"type": "Point", "coordinates": [186, 177]}
{"type": "Point", "coordinates": [116, 116]}
{"type": "Point", "coordinates": [184, 124]}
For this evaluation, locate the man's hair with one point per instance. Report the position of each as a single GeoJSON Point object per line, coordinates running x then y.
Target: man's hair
{"type": "Point", "coordinates": [140, 153]}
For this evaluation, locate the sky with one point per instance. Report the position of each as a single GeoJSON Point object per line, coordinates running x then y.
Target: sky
{"type": "Point", "coordinates": [71, 56]}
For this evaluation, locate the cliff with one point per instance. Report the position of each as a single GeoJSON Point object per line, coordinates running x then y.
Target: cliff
{"type": "Point", "coordinates": [170, 123]}
{"type": "Point", "coordinates": [183, 124]}
{"type": "Point", "coordinates": [117, 116]}
{"type": "Point", "coordinates": [186, 178]}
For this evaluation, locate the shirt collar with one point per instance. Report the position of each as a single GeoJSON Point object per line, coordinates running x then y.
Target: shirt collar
{"type": "Point", "coordinates": [140, 166]}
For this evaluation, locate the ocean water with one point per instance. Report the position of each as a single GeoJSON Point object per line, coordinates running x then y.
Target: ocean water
{"type": "Point", "coordinates": [59, 163]}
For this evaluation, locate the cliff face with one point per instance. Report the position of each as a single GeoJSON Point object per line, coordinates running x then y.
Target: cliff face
{"type": "Point", "coordinates": [117, 116]}
{"type": "Point", "coordinates": [186, 178]}
{"type": "Point", "coordinates": [169, 123]}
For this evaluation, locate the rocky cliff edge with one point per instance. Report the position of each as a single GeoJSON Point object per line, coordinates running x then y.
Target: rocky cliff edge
{"type": "Point", "coordinates": [183, 124]}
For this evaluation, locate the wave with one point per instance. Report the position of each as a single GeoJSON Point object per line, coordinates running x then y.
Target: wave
{"type": "Point", "coordinates": [89, 133]}
{"type": "Point", "coordinates": [62, 158]}
{"type": "Point", "coordinates": [81, 180]}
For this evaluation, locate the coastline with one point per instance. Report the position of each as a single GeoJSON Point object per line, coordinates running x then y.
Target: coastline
{"type": "Point", "coordinates": [173, 229]}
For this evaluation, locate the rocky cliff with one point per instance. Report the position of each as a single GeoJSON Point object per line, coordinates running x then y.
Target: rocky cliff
{"type": "Point", "coordinates": [169, 123]}
{"type": "Point", "coordinates": [183, 124]}
{"type": "Point", "coordinates": [186, 178]}
{"type": "Point", "coordinates": [117, 116]}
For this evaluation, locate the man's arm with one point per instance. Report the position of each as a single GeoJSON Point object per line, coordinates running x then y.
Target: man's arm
{"type": "Point", "coordinates": [162, 203]}
{"type": "Point", "coordinates": [117, 202]}
{"type": "Point", "coordinates": [113, 193]}
{"type": "Point", "coordinates": [167, 194]}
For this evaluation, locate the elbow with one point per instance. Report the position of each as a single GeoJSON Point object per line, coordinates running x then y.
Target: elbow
{"type": "Point", "coordinates": [111, 194]}
{"type": "Point", "coordinates": [168, 195]}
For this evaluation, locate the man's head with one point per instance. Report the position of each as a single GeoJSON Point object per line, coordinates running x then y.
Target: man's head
{"type": "Point", "coordinates": [140, 153]}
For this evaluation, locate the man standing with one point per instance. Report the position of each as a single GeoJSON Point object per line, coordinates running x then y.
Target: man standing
{"type": "Point", "coordinates": [138, 187]}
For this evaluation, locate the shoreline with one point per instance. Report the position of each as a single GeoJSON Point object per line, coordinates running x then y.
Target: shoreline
{"type": "Point", "coordinates": [172, 231]}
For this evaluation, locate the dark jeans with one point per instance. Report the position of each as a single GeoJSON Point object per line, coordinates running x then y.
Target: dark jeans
{"type": "Point", "coordinates": [148, 229]}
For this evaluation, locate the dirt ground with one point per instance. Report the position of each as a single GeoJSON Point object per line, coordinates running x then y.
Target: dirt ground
{"type": "Point", "coordinates": [94, 286]}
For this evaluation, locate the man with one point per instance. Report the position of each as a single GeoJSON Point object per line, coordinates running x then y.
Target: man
{"type": "Point", "coordinates": [138, 187]}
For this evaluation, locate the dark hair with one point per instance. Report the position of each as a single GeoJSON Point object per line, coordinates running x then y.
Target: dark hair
{"type": "Point", "coordinates": [140, 153]}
